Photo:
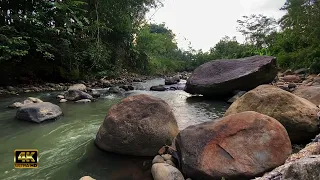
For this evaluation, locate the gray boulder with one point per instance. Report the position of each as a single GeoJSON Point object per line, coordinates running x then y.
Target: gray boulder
{"type": "Point", "coordinates": [137, 126]}
{"type": "Point", "coordinates": [162, 171]}
{"type": "Point", "coordinates": [222, 77]}
{"type": "Point", "coordinates": [39, 112]}
{"type": "Point", "coordinates": [76, 95]}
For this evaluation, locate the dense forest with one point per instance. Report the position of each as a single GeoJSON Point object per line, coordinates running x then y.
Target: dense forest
{"type": "Point", "coordinates": [67, 40]}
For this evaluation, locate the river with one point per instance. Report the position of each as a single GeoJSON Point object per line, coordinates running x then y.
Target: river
{"type": "Point", "coordinates": [66, 146]}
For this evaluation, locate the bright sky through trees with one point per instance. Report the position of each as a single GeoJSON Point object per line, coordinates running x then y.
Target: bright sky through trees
{"type": "Point", "coordinates": [205, 22]}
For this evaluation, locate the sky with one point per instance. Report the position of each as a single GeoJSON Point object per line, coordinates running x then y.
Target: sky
{"type": "Point", "coordinates": [205, 22]}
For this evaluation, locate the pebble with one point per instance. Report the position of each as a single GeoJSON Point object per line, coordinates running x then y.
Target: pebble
{"type": "Point", "coordinates": [63, 101]}
{"type": "Point", "coordinates": [60, 97]}
{"type": "Point", "coordinates": [83, 101]}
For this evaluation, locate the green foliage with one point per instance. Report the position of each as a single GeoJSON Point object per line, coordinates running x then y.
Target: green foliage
{"type": "Point", "coordinates": [69, 39]}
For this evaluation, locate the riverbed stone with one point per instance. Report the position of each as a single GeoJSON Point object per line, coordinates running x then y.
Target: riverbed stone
{"type": "Point", "coordinates": [162, 171]}
{"type": "Point", "coordinates": [158, 159]}
{"type": "Point", "coordinates": [297, 115]}
{"type": "Point", "coordinates": [116, 90]}
{"type": "Point", "coordinates": [311, 93]}
{"type": "Point", "coordinates": [305, 168]}
{"type": "Point", "coordinates": [60, 97]}
{"type": "Point", "coordinates": [75, 95]}
{"type": "Point", "coordinates": [239, 146]}
{"type": "Point", "coordinates": [172, 80]}
{"type": "Point", "coordinates": [87, 178]}
{"type": "Point", "coordinates": [158, 88]}
{"type": "Point", "coordinates": [223, 77]}
{"type": "Point", "coordinates": [302, 165]}
{"type": "Point", "coordinates": [137, 126]}
{"type": "Point", "coordinates": [83, 101]}
{"type": "Point", "coordinates": [39, 112]}
{"type": "Point", "coordinates": [35, 100]}
{"type": "Point", "coordinates": [63, 101]}
{"type": "Point", "coordinates": [291, 78]}
{"type": "Point", "coordinates": [16, 105]}
{"type": "Point", "coordinates": [79, 87]}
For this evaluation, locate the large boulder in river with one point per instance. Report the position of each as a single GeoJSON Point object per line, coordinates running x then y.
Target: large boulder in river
{"type": "Point", "coordinates": [138, 125]}
{"type": "Point", "coordinates": [297, 115]}
{"type": "Point", "coordinates": [76, 95]}
{"type": "Point", "coordinates": [223, 77]}
{"type": "Point", "coordinates": [311, 93]}
{"type": "Point", "coordinates": [39, 112]}
{"type": "Point", "coordinates": [239, 146]}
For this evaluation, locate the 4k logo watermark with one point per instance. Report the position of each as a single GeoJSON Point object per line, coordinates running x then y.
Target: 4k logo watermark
{"type": "Point", "coordinates": [26, 158]}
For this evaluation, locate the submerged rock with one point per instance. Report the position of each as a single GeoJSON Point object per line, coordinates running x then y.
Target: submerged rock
{"type": "Point", "coordinates": [162, 171]}
{"type": "Point", "coordinates": [222, 77]}
{"type": "Point", "coordinates": [158, 88]}
{"type": "Point", "coordinates": [75, 95]}
{"type": "Point", "coordinates": [297, 115]}
{"type": "Point", "coordinates": [138, 126]}
{"type": "Point", "coordinates": [39, 112]}
{"type": "Point", "coordinates": [238, 146]}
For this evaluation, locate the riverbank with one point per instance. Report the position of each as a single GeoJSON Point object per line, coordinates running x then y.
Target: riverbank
{"type": "Point", "coordinates": [124, 79]}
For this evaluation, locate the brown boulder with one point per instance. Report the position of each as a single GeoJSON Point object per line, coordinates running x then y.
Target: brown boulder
{"type": "Point", "coordinates": [223, 77]}
{"type": "Point", "coordinates": [291, 78]}
{"type": "Point", "coordinates": [311, 93]}
{"type": "Point", "coordinates": [138, 125]}
{"type": "Point", "coordinates": [297, 115]}
{"type": "Point", "coordinates": [238, 146]}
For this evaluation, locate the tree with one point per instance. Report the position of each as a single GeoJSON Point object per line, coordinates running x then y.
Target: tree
{"type": "Point", "coordinates": [256, 29]}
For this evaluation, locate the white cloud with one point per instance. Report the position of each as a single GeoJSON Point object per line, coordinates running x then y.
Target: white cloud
{"type": "Point", "coordinates": [205, 22]}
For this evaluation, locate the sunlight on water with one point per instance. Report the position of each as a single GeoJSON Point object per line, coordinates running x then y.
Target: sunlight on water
{"type": "Point", "coordinates": [66, 145]}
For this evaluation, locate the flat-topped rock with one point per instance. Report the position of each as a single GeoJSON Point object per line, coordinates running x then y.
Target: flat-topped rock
{"type": "Point", "coordinates": [223, 77]}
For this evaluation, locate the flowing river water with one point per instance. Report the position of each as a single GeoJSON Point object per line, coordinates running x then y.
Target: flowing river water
{"type": "Point", "coordinates": [66, 146]}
